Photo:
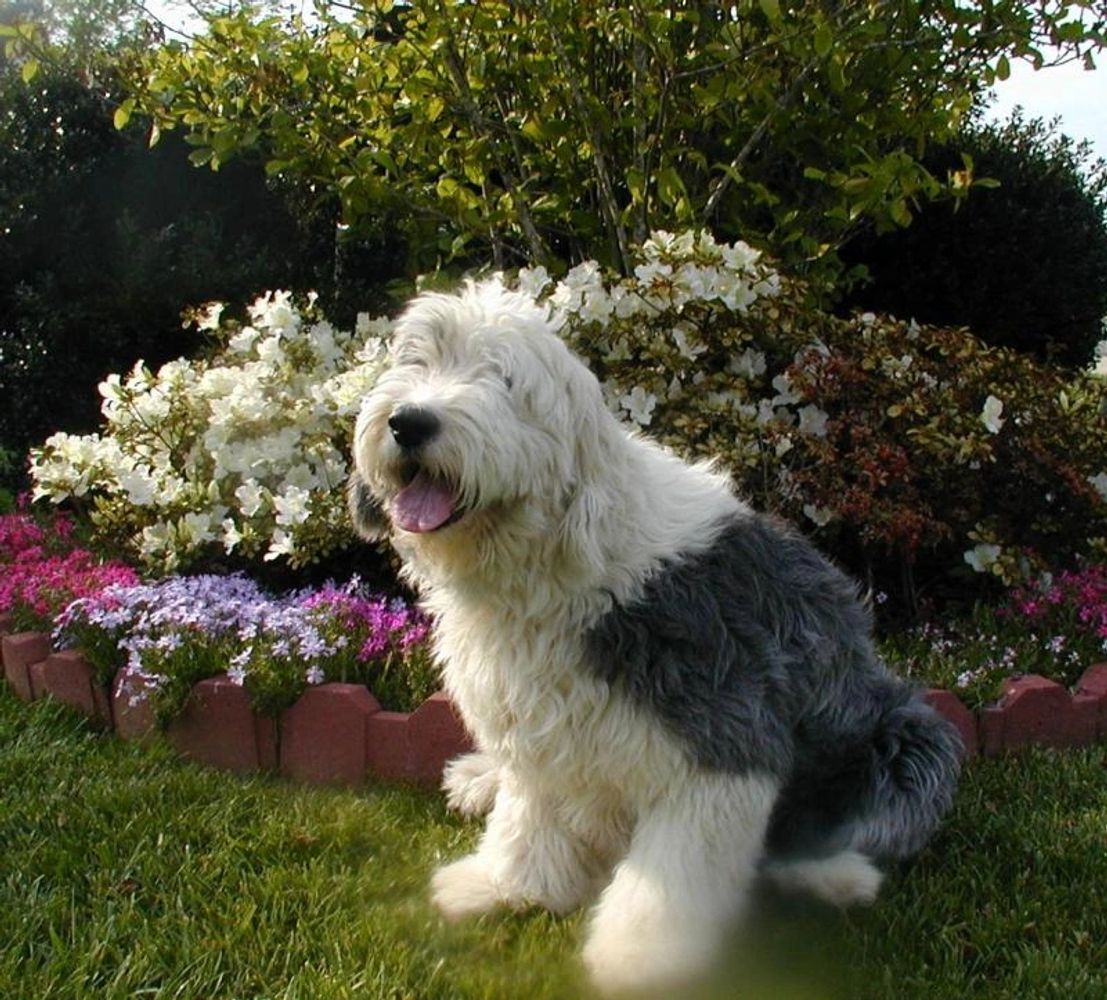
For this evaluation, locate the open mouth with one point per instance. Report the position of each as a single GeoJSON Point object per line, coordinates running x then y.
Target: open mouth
{"type": "Point", "coordinates": [426, 503]}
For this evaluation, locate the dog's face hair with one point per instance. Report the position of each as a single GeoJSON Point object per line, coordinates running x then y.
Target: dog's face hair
{"type": "Point", "coordinates": [482, 409]}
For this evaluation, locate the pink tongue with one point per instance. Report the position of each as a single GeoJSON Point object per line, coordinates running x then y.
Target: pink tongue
{"type": "Point", "coordinates": [424, 504]}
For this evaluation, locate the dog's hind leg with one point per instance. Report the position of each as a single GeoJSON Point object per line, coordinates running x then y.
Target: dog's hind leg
{"type": "Point", "coordinates": [660, 923]}
{"type": "Point", "coordinates": [877, 797]}
{"type": "Point", "coordinates": [844, 879]}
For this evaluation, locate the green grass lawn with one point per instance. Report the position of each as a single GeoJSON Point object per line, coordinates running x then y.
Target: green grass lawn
{"type": "Point", "coordinates": [126, 873]}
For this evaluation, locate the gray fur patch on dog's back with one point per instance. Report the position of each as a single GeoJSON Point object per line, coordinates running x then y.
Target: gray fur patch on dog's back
{"type": "Point", "coordinates": [757, 654]}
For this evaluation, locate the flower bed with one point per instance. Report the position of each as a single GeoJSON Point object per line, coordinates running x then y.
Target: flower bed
{"type": "Point", "coordinates": [237, 677]}
{"type": "Point", "coordinates": [1054, 628]}
{"type": "Point", "coordinates": [334, 732]}
{"type": "Point", "coordinates": [337, 732]}
{"type": "Point", "coordinates": [246, 681]}
{"type": "Point", "coordinates": [172, 634]}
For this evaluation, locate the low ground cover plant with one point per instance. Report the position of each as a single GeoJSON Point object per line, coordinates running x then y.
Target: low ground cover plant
{"type": "Point", "coordinates": [43, 569]}
{"type": "Point", "coordinates": [171, 634]}
{"type": "Point", "coordinates": [1056, 627]}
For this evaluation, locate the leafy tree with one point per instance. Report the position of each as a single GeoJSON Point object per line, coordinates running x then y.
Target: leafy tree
{"type": "Point", "coordinates": [103, 241]}
{"type": "Point", "coordinates": [548, 132]}
{"type": "Point", "coordinates": [1024, 264]}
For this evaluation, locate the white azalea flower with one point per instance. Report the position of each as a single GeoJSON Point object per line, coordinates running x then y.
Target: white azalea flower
{"type": "Point", "coordinates": [686, 349]}
{"type": "Point", "coordinates": [822, 516]}
{"type": "Point", "coordinates": [138, 484]}
{"type": "Point", "coordinates": [1099, 363]}
{"type": "Point", "coordinates": [251, 497]}
{"type": "Point", "coordinates": [639, 404]}
{"type": "Point", "coordinates": [291, 505]}
{"type": "Point", "coordinates": [232, 537]}
{"type": "Point", "coordinates": [207, 317]}
{"type": "Point", "coordinates": [281, 544]}
{"type": "Point", "coordinates": [749, 364]}
{"type": "Point", "coordinates": [983, 556]}
{"type": "Point", "coordinates": [991, 414]}
{"type": "Point", "coordinates": [651, 272]}
{"type": "Point", "coordinates": [812, 421]}
{"type": "Point", "coordinates": [785, 394]}
{"type": "Point", "coordinates": [532, 280]}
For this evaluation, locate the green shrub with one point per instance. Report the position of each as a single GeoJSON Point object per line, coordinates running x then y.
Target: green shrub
{"type": "Point", "coordinates": [245, 452]}
{"type": "Point", "coordinates": [905, 449]}
{"type": "Point", "coordinates": [915, 454]}
{"type": "Point", "coordinates": [1024, 264]}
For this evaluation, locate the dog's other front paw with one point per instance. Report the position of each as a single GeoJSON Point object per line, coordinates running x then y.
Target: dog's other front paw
{"type": "Point", "coordinates": [464, 888]}
{"type": "Point", "coordinates": [470, 783]}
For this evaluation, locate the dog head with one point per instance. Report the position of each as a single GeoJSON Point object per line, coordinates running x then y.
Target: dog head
{"type": "Point", "coordinates": [484, 414]}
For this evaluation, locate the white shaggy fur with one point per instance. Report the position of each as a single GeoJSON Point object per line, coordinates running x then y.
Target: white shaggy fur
{"type": "Point", "coordinates": [564, 513]}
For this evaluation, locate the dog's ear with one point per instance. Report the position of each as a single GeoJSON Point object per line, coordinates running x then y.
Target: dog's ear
{"type": "Point", "coordinates": [591, 499]}
{"type": "Point", "coordinates": [370, 521]}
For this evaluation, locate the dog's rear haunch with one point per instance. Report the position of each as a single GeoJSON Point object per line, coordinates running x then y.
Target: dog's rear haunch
{"type": "Point", "coordinates": [671, 693]}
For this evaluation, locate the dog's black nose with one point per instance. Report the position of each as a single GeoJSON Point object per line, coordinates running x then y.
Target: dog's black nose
{"type": "Point", "coordinates": [413, 426]}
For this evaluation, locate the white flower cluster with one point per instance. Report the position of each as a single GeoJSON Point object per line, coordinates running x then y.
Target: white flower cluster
{"type": "Point", "coordinates": [246, 450]}
{"type": "Point", "coordinates": [686, 331]}
{"type": "Point", "coordinates": [1099, 363]}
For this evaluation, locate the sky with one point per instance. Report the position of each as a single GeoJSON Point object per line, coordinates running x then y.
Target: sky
{"type": "Point", "coordinates": [1076, 95]}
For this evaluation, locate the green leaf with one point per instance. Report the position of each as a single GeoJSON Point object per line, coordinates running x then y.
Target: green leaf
{"type": "Point", "coordinates": [29, 70]}
{"type": "Point", "coordinates": [636, 185]}
{"type": "Point", "coordinates": [1003, 68]}
{"type": "Point", "coordinates": [824, 39]}
{"type": "Point", "coordinates": [670, 188]}
{"type": "Point", "coordinates": [900, 213]}
{"type": "Point", "coordinates": [771, 9]}
{"type": "Point", "coordinates": [123, 114]}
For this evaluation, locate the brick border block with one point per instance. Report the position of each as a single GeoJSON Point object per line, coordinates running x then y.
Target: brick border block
{"type": "Point", "coordinates": [1092, 687]}
{"type": "Point", "coordinates": [69, 678]}
{"type": "Point", "coordinates": [219, 728]}
{"type": "Point", "coordinates": [133, 714]}
{"type": "Point", "coordinates": [323, 735]}
{"type": "Point", "coordinates": [20, 651]}
{"type": "Point", "coordinates": [435, 735]}
{"type": "Point", "coordinates": [953, 710]}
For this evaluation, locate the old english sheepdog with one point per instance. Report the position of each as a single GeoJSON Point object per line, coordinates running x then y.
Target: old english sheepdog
{"type": "Point", "coordinates": [670, 693]}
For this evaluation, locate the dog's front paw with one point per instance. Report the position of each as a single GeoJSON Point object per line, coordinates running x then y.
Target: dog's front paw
{"type": "Point", "coordinates": [652, 954]}
{"type": "Point", "coordinates": [648, 960]}
{"type": "Point", "coordinates": [464, 889]}
{"type": "Point", "coordinates": [470, 783]}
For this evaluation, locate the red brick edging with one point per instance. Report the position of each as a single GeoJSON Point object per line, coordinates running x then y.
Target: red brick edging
{"type": "Point", "coordinates": [334, 734]}
{"type": "Point", "coordinates": [338, 733]}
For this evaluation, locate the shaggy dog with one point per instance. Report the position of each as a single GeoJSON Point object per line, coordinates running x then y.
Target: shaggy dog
{"type": "Point", "coordinates": [670, 693]}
